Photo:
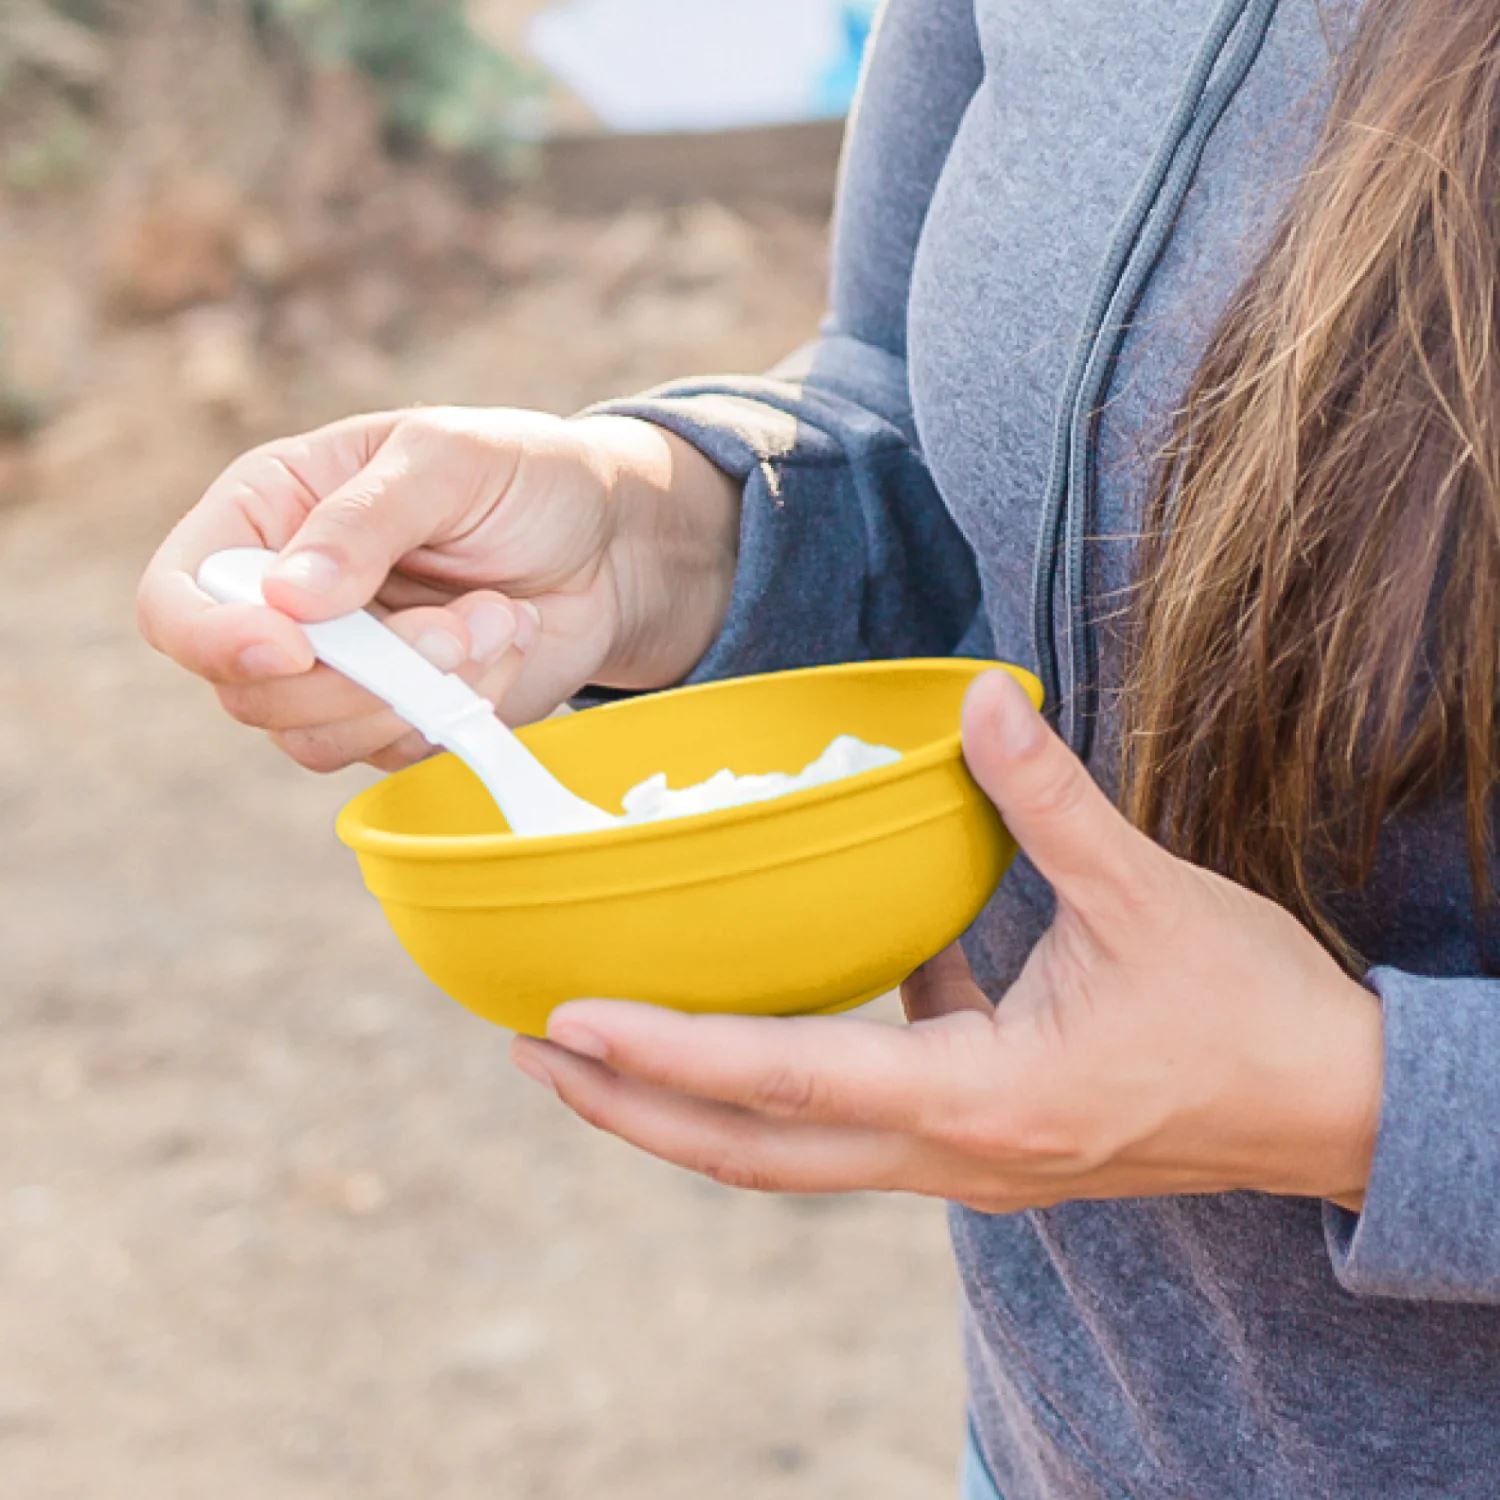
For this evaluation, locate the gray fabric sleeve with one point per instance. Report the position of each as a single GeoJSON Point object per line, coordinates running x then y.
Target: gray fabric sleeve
{"type": "Point", "coordinates": [847, 551]}
{"type": "Point", "coordinates": [1430, 1228]}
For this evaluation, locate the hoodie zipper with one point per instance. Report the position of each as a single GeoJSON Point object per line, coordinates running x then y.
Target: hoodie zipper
{"type": "Point", "coordinates": [1223, 62]}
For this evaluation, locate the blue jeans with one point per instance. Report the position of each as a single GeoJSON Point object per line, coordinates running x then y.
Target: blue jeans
{"type": "Point", "coordinates": [977, 1484]}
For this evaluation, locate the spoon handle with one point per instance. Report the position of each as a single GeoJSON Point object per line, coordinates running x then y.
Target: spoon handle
{"type": "Point", "coordinates": [446, 710]}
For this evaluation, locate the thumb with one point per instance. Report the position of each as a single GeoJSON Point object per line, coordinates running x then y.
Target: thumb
{"type": "Point", "coordinates": [1057, 813]}
{"type": "Point", "coordinates": [339, 557]}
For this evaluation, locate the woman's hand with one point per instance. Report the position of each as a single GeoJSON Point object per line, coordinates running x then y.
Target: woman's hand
{"type": "Point", "coordinates": [530, 554]}
{"type": "Point", "coordinates": [1171, 1033]}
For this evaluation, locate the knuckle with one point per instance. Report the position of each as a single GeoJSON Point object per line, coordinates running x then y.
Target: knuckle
{"type": "Point", "coordinates": [1014, 1131]}
{"type": "Point", "coordinates": [1065, 1143]}
{"type": "Point", "coordinates": [257, 471]}
{"type": "Point", "coordinates": [970, 1132]}
{"type": "Point", "coordinates": [312, 750]}
{"type": "Point", "coordinates": [594, 1096]}
{"type": "Point", "coordinates": [735, 1172]}
{"type": "Point", "coordinates": [422, 423]}
{"type": "Point", "coordinates": [254, 463]}
{"type": "Point", "coordinates": [244, 705]}
{"type": "Point", "coordinates": [1060, 790]}
{"type": "Point", "coordinates": [591, 1107]}
{"type": "Point", "coordinates": [421, 435]}
{"type": "Point", "coordinates": [958, 1116]}
{"type": "Point", "coordinates": [347, 515]}
{"type": "Point", "coordinates": [786, 1090]}
{"type": "Point", "coordinates": [399, 756]}
{"type": "Point", "coordinates": [476, 450]}
{"type": "Point", "coordinates": [250, 470]}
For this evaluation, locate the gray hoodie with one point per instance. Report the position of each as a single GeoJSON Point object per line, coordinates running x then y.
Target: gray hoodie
{"type": "Point", "coordinates": [897, 476]}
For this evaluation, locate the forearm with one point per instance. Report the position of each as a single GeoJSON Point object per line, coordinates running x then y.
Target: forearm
{"type": "Point", "coordinates": [672, 553]}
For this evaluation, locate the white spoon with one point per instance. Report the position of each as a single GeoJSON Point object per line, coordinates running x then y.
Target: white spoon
{"type": "Point", "coordinates": [441, 706]}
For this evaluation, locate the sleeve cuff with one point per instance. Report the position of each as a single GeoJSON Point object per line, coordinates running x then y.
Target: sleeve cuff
{"type": "Point", "coordinates": [795, 598]}
{"type": "Point", "coordinates": [846, 551]}
{"type": "Point", "coordinates": [1430, 1227]}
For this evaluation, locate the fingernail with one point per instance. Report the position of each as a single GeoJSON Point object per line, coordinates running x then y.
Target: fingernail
{"type": "Point", "coordinates": [441, 649]}
{"type": "Point", "coordinates": [528, 625]}
{"type": "Point", "coordinates": [314, 571]}
{"type": "Point", "coordinates": [533, 1067]}
{"type": "Point", "coordinates": [1019, 727]}
{"type": "Point", "coordinates": [266, 661]}
{"type": "Point", "coordinates": [492, 627]}
{"type": "Point", "coordinates": [579, 1040]}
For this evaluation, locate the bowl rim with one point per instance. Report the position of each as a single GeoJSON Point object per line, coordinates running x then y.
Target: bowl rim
{"type": "Point", "coordinates": [358, 835]}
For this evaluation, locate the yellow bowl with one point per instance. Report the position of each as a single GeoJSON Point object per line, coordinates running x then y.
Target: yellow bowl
{"type": "Point", "coordinates": [812, 902]}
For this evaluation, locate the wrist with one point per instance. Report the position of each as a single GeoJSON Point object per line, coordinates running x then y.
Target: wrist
{"type": "Point", "coordinates": [1332, 1106]}
{"type": "Point", "coordinates": [672, 549]}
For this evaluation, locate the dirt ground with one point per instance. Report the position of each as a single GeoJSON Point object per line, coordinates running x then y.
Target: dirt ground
{"type": "Point", "coordinates": [276, 1218]}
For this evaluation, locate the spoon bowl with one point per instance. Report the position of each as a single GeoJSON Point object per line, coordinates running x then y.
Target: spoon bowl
{"type": "Point", "coordinates": [816, 901]}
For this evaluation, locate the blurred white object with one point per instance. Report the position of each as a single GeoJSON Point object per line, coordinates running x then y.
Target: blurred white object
{"type": "Point", "coordinates": [682, 65]}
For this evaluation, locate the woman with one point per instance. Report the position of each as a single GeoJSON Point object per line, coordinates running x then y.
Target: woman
{"type": "Point", "coordinates": [1162, 351]}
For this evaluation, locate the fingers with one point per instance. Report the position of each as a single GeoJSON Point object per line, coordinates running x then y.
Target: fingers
{"type": "Point", "coordinates": [943, 986]}
{"type": "Point", "coordinates": [224, 643]}
{"type": "Point", "coordinates": [729, 1145]}
{"type": "Point", "coordinates": [342, 552]}
{"type": "Point", "coordinates": [232, 643]}
{"type": "Point", "coordinates": [1072, 832]}
{"type": "Point", "coordinates": [407, 751]}
{"type": "Point", "coordinates": [331, 747]}
{"type": "Point", "coordinates": [258, 501]}
{"type": "Point", "coordinates": [324, 722]}
{"type": "Point", "coordinates": [477, 630]}
{"type": "Point", "coordinates": [317, 696]}
{"type": "Point", "coordinates": [821, 1071]}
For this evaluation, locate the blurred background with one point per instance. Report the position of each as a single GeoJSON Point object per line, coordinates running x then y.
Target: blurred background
{"type": "Point", "coordinates": [276, 1218]}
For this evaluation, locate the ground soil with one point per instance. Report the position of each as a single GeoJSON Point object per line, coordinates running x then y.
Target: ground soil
{"type": "Point", "coordinates": [276, 1219]}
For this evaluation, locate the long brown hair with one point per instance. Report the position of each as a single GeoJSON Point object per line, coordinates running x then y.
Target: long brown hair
{"type": "Point", "coordinates": [1316, 636]}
